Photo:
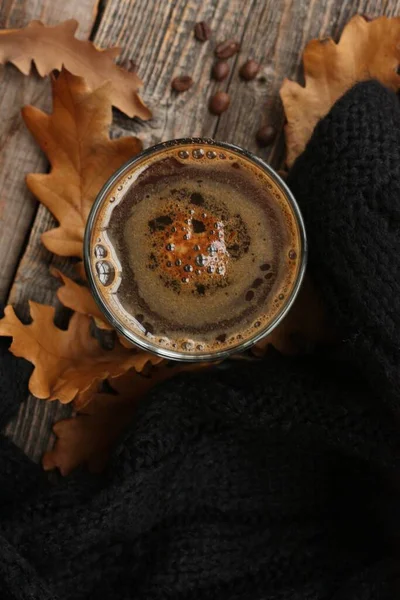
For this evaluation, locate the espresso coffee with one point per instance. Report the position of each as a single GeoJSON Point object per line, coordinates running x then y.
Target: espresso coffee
{"type": "Point", "coordinates": [195, 248]}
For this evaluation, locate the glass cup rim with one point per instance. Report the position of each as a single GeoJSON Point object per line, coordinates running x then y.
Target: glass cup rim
{"type": "Point", "coordinates": [148, 345]}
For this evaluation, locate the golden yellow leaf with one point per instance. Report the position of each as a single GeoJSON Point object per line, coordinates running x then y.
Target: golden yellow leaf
{"type": "Point", "coordinates": [78, 298]}
{"type": "Point", "coordinates": [89, 437]}
{"type": "Point", "coordinates": [52, 48]}
{"type": "Point", "coordinates": [82, 156]}
{"type": "Point", "coordinates": [366, 50]}
{"type": "Point", "coordinates": [67, 363]}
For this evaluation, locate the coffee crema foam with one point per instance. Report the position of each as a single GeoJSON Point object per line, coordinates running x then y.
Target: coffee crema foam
{"type": "Point", "coordinates": [195, 249]}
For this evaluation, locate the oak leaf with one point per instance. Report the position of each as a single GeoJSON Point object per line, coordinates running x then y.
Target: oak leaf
{"type": "Point", "coordinates": [67, 363]}
{"type": "Point", "coordinates": [82, 156]}
{"type": "Point", "coordinates": [79, 299]}
{"type": "Point", "coordinates": [88, 438]}
{"type": "Point", "coordinates": [366, 50]}
{"type": "Point", "coordinates": [54, 47]}
{"type": "Point", "coordinates": [306, 326]}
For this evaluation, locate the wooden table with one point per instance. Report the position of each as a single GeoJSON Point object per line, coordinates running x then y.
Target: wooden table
{"type": "Point", "coordinates": [158, 36]}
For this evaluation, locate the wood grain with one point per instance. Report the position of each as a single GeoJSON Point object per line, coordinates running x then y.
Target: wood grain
{"type": "Point", "coordinates": [162, 44]}
{"type": "Point", "coordinates": [20, 155]}
{"type": "Point", "coordinates": [158, 37]}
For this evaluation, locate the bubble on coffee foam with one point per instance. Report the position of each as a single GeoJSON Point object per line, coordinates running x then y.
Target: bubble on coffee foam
{"type": "Point", "coordinates": [100, 251]}
{"type": "Point", "coordinates": [198, 153]}
{"type": "Point", "coordinates": [105, 272]}
{"type": "Point", "coordinates": [188, 345]}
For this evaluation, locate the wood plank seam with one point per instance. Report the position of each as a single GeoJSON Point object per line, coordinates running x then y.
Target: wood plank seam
{"type": "Point", "coordinates": [232, 72]}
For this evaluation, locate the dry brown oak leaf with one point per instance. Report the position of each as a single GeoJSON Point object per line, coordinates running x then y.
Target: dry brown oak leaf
{"type": "Point", "coordinates": [76, 141]}
{"type": "Point", "coordinates": [88, 438]}
{"type": "Point", "coordinates": [54, 47]}
{"type": "Point", "coordinates": [79, 299]}
{"type": "Point", "coordinates": [366, 50]}
{"type": "Point", "coordinates": [306, 326]}
{"type": "Point", "coordinates": [67, 363]}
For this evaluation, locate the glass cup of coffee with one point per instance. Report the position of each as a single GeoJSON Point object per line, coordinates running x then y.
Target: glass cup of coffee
{"type": "Point", "coordinates": [195, 249]}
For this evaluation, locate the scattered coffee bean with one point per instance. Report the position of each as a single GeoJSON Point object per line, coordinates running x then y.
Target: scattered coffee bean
{"type": "Point", "coordinates": [219, 103]}
{"type": "Point", "coordinates": [249, 70]}
{"type": "Point", "coordinates": [220, 70]}
{"type": "Point", "coordinates": [182, 83]}
{"type": "Point", "coordinates": [266, 135]}
{"type": "Point", "coordinates": [227, 49]}
{"type": "Point", "coordinates": [202, 31]}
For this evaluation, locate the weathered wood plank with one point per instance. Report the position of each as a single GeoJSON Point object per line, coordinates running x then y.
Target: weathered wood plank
{"type": "Point", "coordinates": [161, 43]}
{"type": "Point", "coordinates": [20, 155]}
{"type": "Point", "coordinates": [159, 38]}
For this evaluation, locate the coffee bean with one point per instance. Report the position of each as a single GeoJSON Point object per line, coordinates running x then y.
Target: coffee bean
{"type": "Point", "coordinates": [182, 83]}
{"type": "Point", "coordinates": [220, 70]}
{"type": "Point", "coordinates": [249, 70]}
{"type": "Point", "coordinates": [219, 103]}
{"type": "Point", "coordinates": [266, 135]}
{"type": "Point", "coordinates": [227, 49]}
{"type": "Point", "coordinates": [202, 31]}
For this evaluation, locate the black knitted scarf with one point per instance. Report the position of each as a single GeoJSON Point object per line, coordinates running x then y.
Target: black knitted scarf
{"type": "Point", "coordinates": [276, 480]}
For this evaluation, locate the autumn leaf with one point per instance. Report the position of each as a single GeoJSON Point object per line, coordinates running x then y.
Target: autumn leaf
{"type": "Point", "coordinates": [366, 50]}
{"type": "Point", "coordinates": [80, 270]}
{"type": "Point", "coordinates": [82, 156]}
{"type": "Point", "coordinates": [52, 48]}
{"type": "Point", "coordinates": [82, 399]}
{"type": "Point", "coordinates": [88, 438]}
{"type": "Point", "coordinates": [79, 299]}
{"type": "Point", "coordinates": [67, 363]}
{"type": "Point", "coordinates": [306, 325]}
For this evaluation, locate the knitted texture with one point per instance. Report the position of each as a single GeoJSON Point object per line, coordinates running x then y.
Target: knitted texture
{"type": "Point", "coordinates": [274, 480]}
{"type": "Point", "coordinates": [348, 187]}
